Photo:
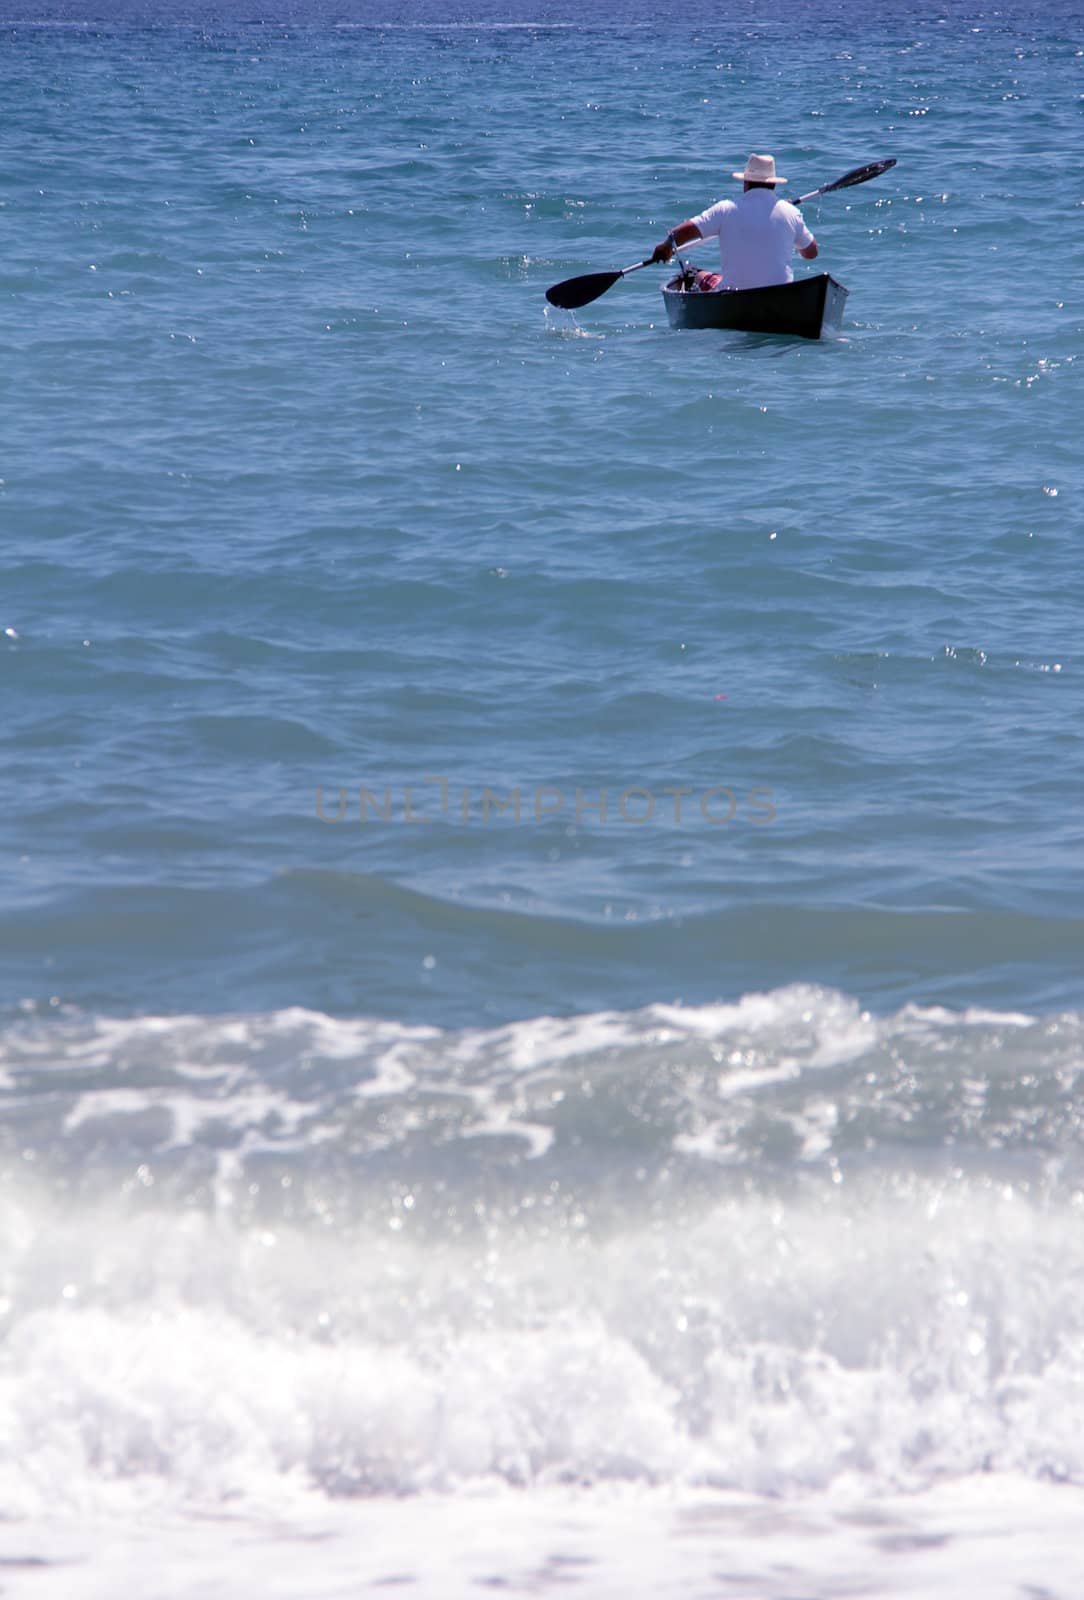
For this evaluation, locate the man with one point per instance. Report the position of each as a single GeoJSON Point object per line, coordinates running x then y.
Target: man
{"type": "Point", "coordinates": [757, 233]}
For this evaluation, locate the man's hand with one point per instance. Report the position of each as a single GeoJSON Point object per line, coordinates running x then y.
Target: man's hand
{"type": "Point", "coordinates": [684, 233]}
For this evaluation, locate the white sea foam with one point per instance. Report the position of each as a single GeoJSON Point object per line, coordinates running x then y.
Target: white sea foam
{"type": "Point", "coordinates": [772, 1342]}
{"type": "Point", "coordinates": [726, 1273]}
{"type": "Point", "coordinates": [800, 1072]}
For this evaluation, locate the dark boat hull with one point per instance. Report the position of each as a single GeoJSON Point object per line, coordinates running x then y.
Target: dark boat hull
{"type": "Point", "coordinates": [802, 309]}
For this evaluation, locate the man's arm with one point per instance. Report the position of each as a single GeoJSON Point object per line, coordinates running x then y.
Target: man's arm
{"type": "Point", "coordinates": [810, 252]}
{"type": "Point", "coordinates": [684, 233]}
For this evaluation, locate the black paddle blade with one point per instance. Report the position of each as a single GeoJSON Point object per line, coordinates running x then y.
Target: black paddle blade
{"type": "Point", "coordinates": [861, 174]}
{"type": "Point", "coordinates": [577, 292]}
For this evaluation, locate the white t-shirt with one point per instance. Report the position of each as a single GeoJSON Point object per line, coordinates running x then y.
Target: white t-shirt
{"type": "Point", "coordinates": [758, 233]}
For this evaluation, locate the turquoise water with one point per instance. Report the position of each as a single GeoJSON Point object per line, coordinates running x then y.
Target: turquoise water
{"type": "Point", "coordinates": [313, 509]}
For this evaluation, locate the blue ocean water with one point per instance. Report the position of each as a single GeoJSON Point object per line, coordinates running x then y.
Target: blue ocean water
{"type": "Point", "coordinates": [543, 852]}
{"type": "Point", "coordinates": [307, 489]}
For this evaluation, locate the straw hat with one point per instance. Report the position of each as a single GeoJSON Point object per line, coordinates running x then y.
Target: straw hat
{"type": "Point", "coordinates": [758, 169]}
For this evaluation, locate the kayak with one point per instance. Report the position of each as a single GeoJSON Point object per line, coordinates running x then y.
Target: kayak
{"type": "Point", "coordinates": [802, 309]}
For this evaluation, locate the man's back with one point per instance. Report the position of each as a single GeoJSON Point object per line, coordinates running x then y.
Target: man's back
{"type": "Point", "coordinates": [758, 233]}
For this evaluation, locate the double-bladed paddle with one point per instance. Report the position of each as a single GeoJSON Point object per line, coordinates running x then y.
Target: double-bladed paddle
{"type": "Point", "coordinates": [576, 292]}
